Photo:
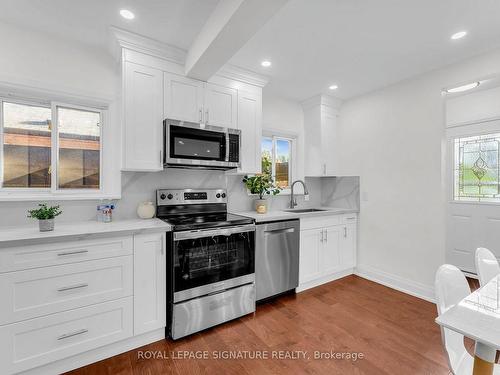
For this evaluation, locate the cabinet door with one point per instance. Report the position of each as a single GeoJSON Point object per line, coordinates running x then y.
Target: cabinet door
{"type": "Point", "coordinates": [149, 282]}
{"type": "Point", "coordinates": [143, 118]}
{"type": "Point", "coordinates": [221, 106]}
{"type": "Point", "coordinates": [183, 98]}
{"type": "Point", "coordinates": [310, 248]}
{"type": "Point", "coordinates": [250, 124]}
{"type": "Point", "coordinates": [328, 146]}
{"type": "Point", "coordinates": [313, 154]}
{"type": "Point", "coordinates": [330, 254]}
{"type": "Point", "coordinates": [349, 242]}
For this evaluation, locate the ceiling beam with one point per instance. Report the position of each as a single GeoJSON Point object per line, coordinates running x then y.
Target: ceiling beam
{"type": "Point", "coordinates": [229, 27]}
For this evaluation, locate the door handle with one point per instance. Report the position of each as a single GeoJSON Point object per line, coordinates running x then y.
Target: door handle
{"type": "Point", "coordinates": [206, 113]}
{"type": "Point", "coordinates": [78, 286]}
{"type": "Point", "coordinates": [322, 234]}
{"type": "Point", "coordinates": [71, 334]}
{"type": "Point", "coordinates": [326, 235]}
{"type": "Point", "coordinates": [201, 115]}
{"type": "Point", "coordinates": [345, 232]}
{"type": "Point", "coordinates": [280, 231]}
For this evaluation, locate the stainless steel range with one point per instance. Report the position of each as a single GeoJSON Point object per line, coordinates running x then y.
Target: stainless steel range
{"type": "Point", "coordinates": [210, 260]}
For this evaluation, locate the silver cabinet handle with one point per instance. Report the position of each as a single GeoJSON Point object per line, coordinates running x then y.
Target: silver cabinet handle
{"type": "Point", "coordinates": [322, 234]}
{"type": "Point", "coordinates": [71, 287]}
{"type": "Point", "coordinates": [280, 231]}
{"type": "Point", "coordinates": [206, 113]}
{"type": "Point", "coordinates": [72, 253]}
{"type": "Point", "coordinates": [345, 231]}
{"type": "Point", "coordinates": [201, 115]}
{"type": "Point", "coordinates": [71, 334]}
{"type": "Point", "coordinates": [324, 168]}
{"type": "Point", "coordinates": [326, 235]}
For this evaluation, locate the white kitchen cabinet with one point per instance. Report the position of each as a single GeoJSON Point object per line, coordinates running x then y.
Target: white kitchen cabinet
{"type": "Point", "coordinates": [183, 98]}
{"type": "Point", "coordinates": [250, 124]}
{"type": "Point", "coordinates": [310, 253]}
{"type": "Point", "coordinates": [332, 246]}
{"type": "Point", "coordinates": [142, 118]}
{"type": "Point", "coordinates": [220, 106]}
{"type": "Point", "coordinates": [349, 245]}
{"type": "Point", "coordinates": [327, 248]}
{"type": "Point", "coordinates": [320, 121]}
{"type": "Point", "coordinates": [149, 282]}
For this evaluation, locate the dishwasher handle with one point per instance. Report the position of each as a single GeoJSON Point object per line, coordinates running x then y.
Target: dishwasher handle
{"type": "Point", "coordinates": [279, 231]}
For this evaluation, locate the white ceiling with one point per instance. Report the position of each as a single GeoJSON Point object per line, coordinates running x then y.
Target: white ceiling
{"type": "Point", "coordinates": [175, 22]}
{"type": "Point", "coordinates": [363, 45]}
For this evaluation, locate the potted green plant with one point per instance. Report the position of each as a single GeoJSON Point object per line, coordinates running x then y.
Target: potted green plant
{"type": "Point", "coordinates": [262, 185]}
{"type": "Point", "coordinates": [45, 216]}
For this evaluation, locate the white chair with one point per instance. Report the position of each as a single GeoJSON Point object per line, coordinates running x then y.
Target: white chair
{"type": "Point", "coordinates": [452, 287]}
{"type": "Point", "coordinates": [486, 265]}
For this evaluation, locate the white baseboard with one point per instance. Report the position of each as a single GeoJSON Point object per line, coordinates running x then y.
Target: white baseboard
{"type": "Point", "coordinates": [98, 354]}
{"type": "Point", "coordinates": [324, 279]}
{"type": "Point", "coordinates": [407, 286]}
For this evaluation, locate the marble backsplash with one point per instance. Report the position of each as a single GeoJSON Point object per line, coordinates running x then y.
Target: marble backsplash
{"type": "Point", "coordinates": [138, 187]}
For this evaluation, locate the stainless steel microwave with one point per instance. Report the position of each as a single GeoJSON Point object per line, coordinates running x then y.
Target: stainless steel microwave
{"type": "Point", "coordinates": [193, 145]}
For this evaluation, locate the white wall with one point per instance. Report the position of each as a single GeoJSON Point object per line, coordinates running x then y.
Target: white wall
{"type": "Point", "coordinates": [393, 139]}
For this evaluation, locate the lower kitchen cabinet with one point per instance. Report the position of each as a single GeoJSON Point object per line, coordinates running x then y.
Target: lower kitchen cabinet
{"type": "Point", "coordinates": [149, 282]}
{"type": "Point", "coordinates": [327, 249]}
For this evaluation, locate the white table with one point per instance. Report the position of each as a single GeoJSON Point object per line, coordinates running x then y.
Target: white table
{"type": "Point", "coordinates": [478, 317]}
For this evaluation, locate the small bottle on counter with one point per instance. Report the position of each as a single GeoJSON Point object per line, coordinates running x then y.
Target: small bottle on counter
{"type": "Point", "coordinates": [105, 213]}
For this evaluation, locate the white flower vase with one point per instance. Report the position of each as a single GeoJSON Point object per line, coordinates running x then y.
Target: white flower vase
{"type": "Point", "coordinates": [146, 210]}
{"type": "Point", "coordinates": [46, 225]}
{"type": "Point", "coordinates": [261, 206]}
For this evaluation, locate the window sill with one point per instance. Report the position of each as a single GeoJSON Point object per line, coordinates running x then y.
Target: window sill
{"type": "Point", "coordinates": [33, 197]}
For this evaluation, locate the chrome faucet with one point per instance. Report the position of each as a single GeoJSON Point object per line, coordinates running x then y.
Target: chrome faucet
{"type": "Point", "coordinates": [293, 200]}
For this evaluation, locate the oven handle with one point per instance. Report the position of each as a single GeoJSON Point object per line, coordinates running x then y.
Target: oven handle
{"type": "Point", "coordinates": [213, 232]}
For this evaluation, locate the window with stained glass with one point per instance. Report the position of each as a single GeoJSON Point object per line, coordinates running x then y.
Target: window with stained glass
{"type": "Point", "coordinates": [476, 171]}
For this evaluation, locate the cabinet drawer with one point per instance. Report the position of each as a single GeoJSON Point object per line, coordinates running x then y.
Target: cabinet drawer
{"type": "Point", "coordinates": [39, 341]}
{"type": "Point", "coordinates": [320, 221]}
{"type": "Point", "coordinates": [41, 291]}
{"type": "Point", "coordinates": [32, 256]}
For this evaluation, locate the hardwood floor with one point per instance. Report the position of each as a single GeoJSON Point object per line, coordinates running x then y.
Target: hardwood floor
{"type": "Point", "coordinates": [395, 333]}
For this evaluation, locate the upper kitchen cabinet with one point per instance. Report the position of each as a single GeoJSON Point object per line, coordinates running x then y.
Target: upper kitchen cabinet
{"type": "Point", "coordinates": [155, 88]}
{"type": "Point", "coordinates": [220, 106]}
{"type": "Point", "coordinates": [183, 98]}
{"type": "Point", "coordinates": [142, 117]}
{"type": "Point", "coordinates": [250, 124]}
{"type": "Point", "coordinates": [320, 123]}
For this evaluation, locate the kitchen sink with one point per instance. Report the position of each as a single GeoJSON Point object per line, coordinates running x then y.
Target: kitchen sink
{"type": "Point", "coordinates": [304, 210]}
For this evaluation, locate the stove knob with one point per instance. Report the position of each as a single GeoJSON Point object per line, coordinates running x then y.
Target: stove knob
{"type": "Point", "coordinates": [170, 196]}
{"type": "Point", "coordinates": [217, 195]}
{"type": "Point", "coordinates": [163, 196]}
{"type": "Point", "coordinates": [223, 195]}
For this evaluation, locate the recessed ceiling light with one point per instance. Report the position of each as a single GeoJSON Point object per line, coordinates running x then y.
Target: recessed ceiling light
{"type": "Point", "coordinates": [266, 63]}
{"type": "Point", "coordinates": [459, 35]}
{"type": "Point", "coordinates": [333, 87]}
{"type": "Point", "coordinates": [462, 88]}
{"type": "Point", "coordinates": [127, 14]}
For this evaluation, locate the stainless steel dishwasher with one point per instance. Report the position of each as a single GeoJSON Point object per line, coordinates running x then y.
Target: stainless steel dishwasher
{"type": "Point", "coordinates": [276, 257]}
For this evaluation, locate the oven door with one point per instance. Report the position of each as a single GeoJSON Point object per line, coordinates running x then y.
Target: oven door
{"type": "Point", "coordinates": [208, 261]}
{"type": "Point", "coordinates": [195, 144]}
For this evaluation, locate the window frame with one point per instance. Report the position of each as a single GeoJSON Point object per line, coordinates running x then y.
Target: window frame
{"type": "Point", "coordinates": [292, 138]}
{"type": "Point", "coordinates": [53, 192]}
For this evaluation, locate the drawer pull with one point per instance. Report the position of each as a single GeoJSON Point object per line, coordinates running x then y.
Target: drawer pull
{"type": "Point", "coordinates": [71, 334]}
{"type": "Point", "coordinates": [72, 253]}
{"type": "Point", "coordinates": [78, 286]}
{"type": "Point", "coordinates": [350, 218]}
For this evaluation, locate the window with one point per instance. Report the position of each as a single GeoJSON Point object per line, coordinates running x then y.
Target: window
{"type": "Point", "coordinates": [277, 159]}
{"type": "Point", "coordinates": [476, 168]}
{"type": "Point", "coordinates": [51, 148]}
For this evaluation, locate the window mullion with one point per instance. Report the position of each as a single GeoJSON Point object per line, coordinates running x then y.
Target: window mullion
{"type": "Point", "coordinates": [54, 154]}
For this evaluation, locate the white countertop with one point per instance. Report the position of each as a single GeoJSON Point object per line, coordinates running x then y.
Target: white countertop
{"type": "Point", "coordinates": [82, 228]}
{"type": "Point", "coordinates": [284, 215]}
{"type": "Point", "coordinates": [477, 316]}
